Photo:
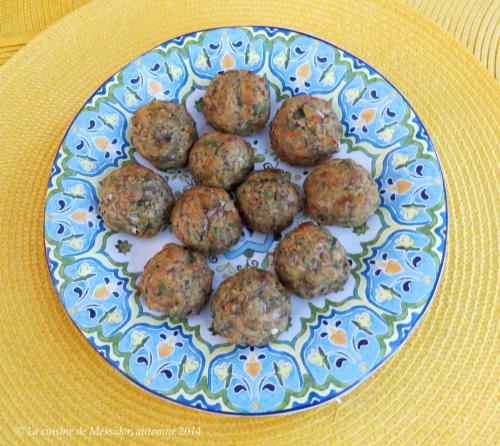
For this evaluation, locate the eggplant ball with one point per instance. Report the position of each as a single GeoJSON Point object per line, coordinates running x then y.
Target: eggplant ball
{"type": "Point", "coordinates": [135, 200]}
{"type": "Point", "coordinates": [238, 102]}
{"type": "Point", "coordinates": [310, 261]}
{"type": "Point", "coordinates": [341, 192]}
{"type": "Point", "coordinates": [176, 281]}
{"type": "Point", "coordinates": [305, 131]}
{"type": "Point", "coordinates": [219, 159]}
{"type": "Point", "coordinates": [251, 307]}
{"type": "Point", "coordinates": [268, 201]}
{"type": "Point", "coordinates": [205, 219]}
{"type": "Point", "coordinates": [163, 132]}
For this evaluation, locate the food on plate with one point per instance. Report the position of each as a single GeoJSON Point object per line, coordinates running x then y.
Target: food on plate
{"type": "Point", "coordinates": [219, 159]}
{"type": "Point", "coordinates": [176, 281]}
{"type": "Point", "coordinates": [205, 218]}
{"type": "Point", "coordinates": [237, 101]}
{"type": "Point", "coordinates": [163, 132]}
{"type": "Point", "coordinates": [341, 192]}
{"type": "Point", "coordinates": [305, 131]}
{"type": "Point", "coordinates": [268, 201]}
{"type": "Point", "coordinates": [251, 307]}
{"type": "Point", "coordinates": [135, 200]}
{"type": "Point", "coordinates": [310, 261]}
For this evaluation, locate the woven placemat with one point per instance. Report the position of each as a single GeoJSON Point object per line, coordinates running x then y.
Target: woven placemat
{"type": "Point", "coordinates": [440, 388]}
{"type": "Point", "coordinates": [474, 23]}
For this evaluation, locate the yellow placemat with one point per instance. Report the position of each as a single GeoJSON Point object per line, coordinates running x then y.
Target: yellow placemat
{"type": "Point", "coordinates": [474, 23]}
{"type": "Point", "coordinates": [440, 388]}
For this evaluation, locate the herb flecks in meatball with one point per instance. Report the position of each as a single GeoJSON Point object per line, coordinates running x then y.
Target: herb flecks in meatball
{"type": "Point", "coordinates": [305, 131]}
{"type": "Point", "coordinates": [238, 102]}
{"type": "Point", "coordinates": [268, 201]}
{"type": "Point", "coordinates": [205, 218]}
{"type": "Point", "coordinates": [251, 307]}
{"type": "Point", "coordinates": [219, 159]}
{"type": "Point", "coordinates": [341, 192]}
{"type": "Point", "coordinates": [176, 281]}
{"type": "Point", "coordinates": [310, 261]}
{"type": "Point", "coordinates": [163, 132]}
{"type": "Point", "coordinates": [135, 200]}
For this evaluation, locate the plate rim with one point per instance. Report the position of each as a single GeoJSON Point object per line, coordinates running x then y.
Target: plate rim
{"type": "Point", "coordinates": [302, 406]}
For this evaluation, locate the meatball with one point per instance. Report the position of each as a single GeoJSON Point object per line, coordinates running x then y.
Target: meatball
{"type": "Point", "coordinates": [176, 281]}
{"type": "Point", "coordinates": [268, 201]}
{"type": "Point", "coordinates": [341, 192]}
{"type": "Point", "coordinates": [204, 218]}
{"type": "Point", "coordinates": [251, 307]}
{"type": "Point", "coordinates": [305, 131]}
{"type": "Point", "coordinates": [163, 132]}
{"type": "Point", "coordinates": [219, 159]}
{"type": "Point", "coordinates": [310, 261]}
{"type": "Point", "coordinates": [237, 101]}
{"type": "Point", "coordinates": [135, 200]}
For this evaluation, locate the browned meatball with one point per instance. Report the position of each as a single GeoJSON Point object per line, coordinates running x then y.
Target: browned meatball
{"type": "Point", "coordinates": [222, 160]}
{"type": "Point", "coordinates": [163, 132]}
{"type": "Point", "coordinates": [135, 200]}
{"type": "Point", "coordinates": [268, 201]}
{"type": "Point", "coordinates": [204, 218]}
{"type": "Point", "coordinates": [341, 192]}
{"type": "Point", "coordinates": [305, 131]}
{"type": "Point", "coordinates": [176, 281]}
{"type": "Point", "coordinates": [310, 261]}
{"type": "Point", "coordinates": [237, 101]}
{"type": "Point", "coordinates": [251, 307]}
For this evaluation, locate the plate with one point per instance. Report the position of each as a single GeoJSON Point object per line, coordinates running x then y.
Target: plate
{"type": "Point", "coordinates": [335, 341]}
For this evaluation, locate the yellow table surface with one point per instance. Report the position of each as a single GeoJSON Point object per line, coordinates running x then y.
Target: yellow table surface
{"type": "Point", "coordinates": [441, 388]}
{"type": "Point", "coordinates": [475, 23]}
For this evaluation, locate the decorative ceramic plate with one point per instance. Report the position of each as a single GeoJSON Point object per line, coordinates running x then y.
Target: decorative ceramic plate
{"type": "Point", "coordinates": [334, 341]}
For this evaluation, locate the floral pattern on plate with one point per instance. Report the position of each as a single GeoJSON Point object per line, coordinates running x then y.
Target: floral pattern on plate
{"type": "Point", "coordinates": [255, 377]}
{"type": "Point", "coordinates": [344, 342]}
